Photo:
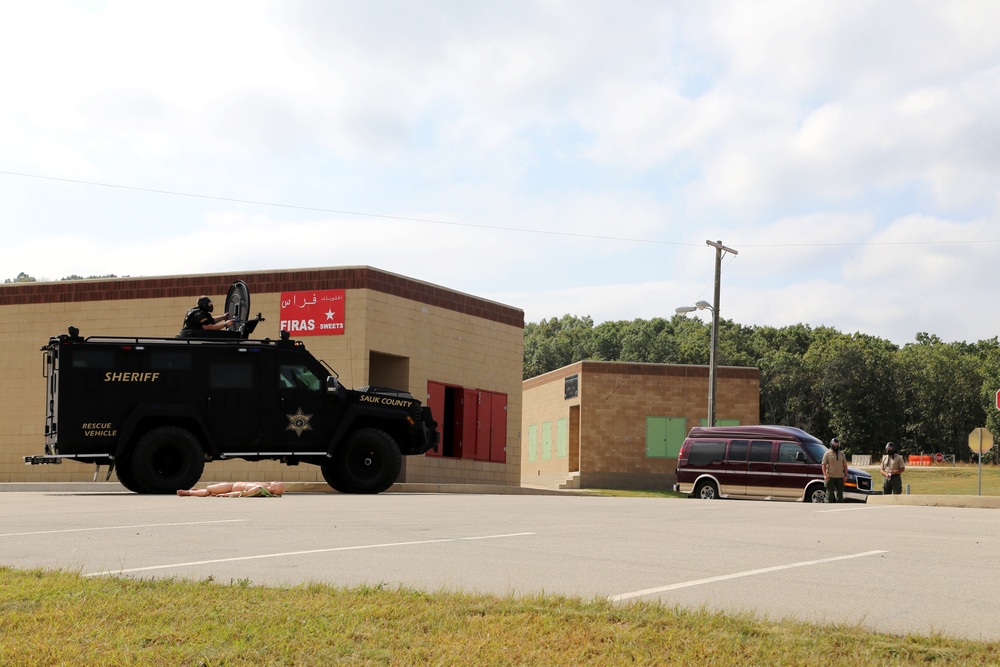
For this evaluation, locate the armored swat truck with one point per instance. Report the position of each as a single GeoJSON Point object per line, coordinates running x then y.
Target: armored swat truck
{"type": "Point", "coordinates": [155, 410]}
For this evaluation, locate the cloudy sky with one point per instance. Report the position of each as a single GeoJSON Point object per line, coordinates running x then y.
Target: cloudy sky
{"type": "Point", "coordinates": [558, 156]}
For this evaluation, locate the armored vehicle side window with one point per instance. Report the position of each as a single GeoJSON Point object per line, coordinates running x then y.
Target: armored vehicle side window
{"type": "Point", "coordinates": [160, 360]}
{"type": "Point", "coordinates": [293, 376]}
{"type": "Point", "coordinates": [94, 359]}
{"type": "Point", "coordinates": [760, 450]}
{"type": "Point", "coordinates": [230, 376]}
{"type": "Point", "coordinates": [705, 452]}
{"type": "Point", "coordinates": [738, 450]}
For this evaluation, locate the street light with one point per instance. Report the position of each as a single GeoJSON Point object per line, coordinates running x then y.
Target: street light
{"type": "Point", "coordinates": [713, 369]}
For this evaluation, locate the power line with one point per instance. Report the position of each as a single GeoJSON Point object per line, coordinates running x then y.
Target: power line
{"type": "Point", "coordinates": [341, 212]}
{"type": "Point", "coordinates": [523, 230]}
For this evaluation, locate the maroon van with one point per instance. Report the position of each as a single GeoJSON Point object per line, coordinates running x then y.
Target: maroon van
{"type": "Point", "coordinates": [767, 462]}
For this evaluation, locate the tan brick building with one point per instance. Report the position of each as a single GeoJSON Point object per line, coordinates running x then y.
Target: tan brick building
{"type": "Point", "coordinates": [619, 425]}
{"type": "Point", "coordinates": [459, 353]}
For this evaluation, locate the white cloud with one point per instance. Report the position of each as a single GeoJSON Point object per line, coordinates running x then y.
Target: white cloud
{"type": "Point", "coordinates": [823, 125]}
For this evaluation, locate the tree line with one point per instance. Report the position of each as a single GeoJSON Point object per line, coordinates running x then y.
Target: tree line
{"type": "Point", "coordinates": [926, 396]}
{"type": "Point", "coordinates": [23, 277]}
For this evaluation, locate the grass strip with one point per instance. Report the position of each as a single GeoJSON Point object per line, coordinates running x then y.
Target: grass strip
{"type": "Point", "coordinates": [58, 618]}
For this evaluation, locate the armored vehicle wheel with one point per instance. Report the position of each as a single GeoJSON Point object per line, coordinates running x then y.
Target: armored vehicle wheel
{"type": "Point", "coordinates": [166, 459]}
{"type": "Point", "coordinates": [331, 470]}
{"type": "Point", "coordinates": [123, 470]}
{"type": "Point", "coordinates": [369, 462]}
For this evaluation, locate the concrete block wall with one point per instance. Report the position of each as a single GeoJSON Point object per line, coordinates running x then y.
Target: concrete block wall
{"type": "Point", "coordinates": [615, 399]}
{"type": "Point", "coordinates": [446, 335]}
{"type": "Point", "coordinates": [545, 401]}
{"type": "Point", "coordinates": [458, 349]}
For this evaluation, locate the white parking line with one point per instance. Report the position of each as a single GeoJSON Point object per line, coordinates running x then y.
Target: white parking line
{"type": "Point", "coordinates": [861, 508]}
{"type": "Point", "coordinates": [303, 553]}
{"type": "Point", "coordinates": [737, 575]}
{"type": "Point", "coordinates": [139, 525]}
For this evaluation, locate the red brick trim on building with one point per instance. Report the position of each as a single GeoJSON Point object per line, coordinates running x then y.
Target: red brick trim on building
{"type": "Point", "coordinates": [263, 282]}
{"type": "Point", "coordinates": [628, 368]}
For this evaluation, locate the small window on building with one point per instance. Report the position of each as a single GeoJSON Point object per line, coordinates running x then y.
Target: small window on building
{"type": "Point", "coordinates": [571, 387]}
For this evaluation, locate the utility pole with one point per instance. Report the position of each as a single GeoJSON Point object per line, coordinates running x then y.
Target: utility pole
{"type": "Point", "coordinates": [713, 368]}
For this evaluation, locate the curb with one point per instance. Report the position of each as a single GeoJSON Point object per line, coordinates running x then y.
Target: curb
{"type": "Point", "coordinates": [302, 487]}
{"type": "Point", "coordinates": [980, 502]}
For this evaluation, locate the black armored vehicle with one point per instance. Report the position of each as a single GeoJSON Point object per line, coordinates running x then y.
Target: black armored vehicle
{"type": "Point", "coordinates": [155, 410]}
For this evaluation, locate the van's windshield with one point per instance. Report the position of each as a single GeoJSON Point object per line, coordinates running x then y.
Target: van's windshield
{"type": "Point", "coordinates": [816, 450]}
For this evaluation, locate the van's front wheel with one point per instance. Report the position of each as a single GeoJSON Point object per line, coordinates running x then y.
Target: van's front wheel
{"type": "Point", "coordinates": [815, 494]}
{"type": "Point", "coordinates": [706, 491]}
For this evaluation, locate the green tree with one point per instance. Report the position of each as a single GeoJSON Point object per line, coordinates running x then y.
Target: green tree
{"type": "Point", "coordinates": [21, 278]}
{"type": "Point", "coordinates": [857, 387]}
{"type": "Point", "coordinates": [990, 370]}
{"type": "Point", "coordinates": [940, 385]}
{"type": "Point", "coordinates": [648, 341]}
{"type": "Point", "coordinates": [555, 343]}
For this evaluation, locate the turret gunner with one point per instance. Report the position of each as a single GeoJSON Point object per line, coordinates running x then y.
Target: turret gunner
{"type": "Point", "coordinates": [200, 317]}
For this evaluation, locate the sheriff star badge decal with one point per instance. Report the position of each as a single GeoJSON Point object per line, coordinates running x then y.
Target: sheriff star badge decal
{"type": "Point", "coordinates": [298, 422]}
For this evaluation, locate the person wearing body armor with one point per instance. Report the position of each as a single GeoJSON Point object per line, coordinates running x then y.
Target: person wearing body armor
{"type": "Point", "coordinates": [200, 317]}
{"type": "Point", "coordinates": [834, 472]}
{"type": "Point", "coordinates": [892, 470]}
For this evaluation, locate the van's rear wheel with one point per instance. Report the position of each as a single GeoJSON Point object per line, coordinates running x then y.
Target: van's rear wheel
{"type": "Point", "coordinates": [166, 459]}
{"type": "Point", "coordinates": [706, 491]}
{"type": "Point", "coordinates": [369, 462]}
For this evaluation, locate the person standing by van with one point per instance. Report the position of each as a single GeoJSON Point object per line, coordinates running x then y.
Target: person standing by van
{"type": "Point", "coordinates": [892, 470]}
{"type": "Point", "coordinates": [834, 472]}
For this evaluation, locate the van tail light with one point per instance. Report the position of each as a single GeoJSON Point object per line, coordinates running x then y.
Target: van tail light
{"type": "Point", "coordinates": [683, 455]}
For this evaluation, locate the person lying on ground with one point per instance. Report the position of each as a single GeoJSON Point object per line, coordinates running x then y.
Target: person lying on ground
{"type": "Point", "coordinates": [237, 490]}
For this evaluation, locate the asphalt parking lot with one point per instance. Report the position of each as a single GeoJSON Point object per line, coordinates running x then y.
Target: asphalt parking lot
{"type": "Point", "coordinates": [894, 568]}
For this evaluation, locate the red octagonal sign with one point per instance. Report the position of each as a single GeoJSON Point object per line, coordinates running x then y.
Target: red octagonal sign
{"type": "Point", "coordinates": [998, 399]}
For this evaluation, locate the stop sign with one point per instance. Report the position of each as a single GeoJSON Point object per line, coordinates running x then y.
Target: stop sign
{"type": "Point", "coordinates": [998, 399]}
{"type": "Point", "coordinates": [980, 440]}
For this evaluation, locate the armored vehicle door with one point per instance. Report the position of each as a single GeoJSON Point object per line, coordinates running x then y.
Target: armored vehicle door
{"type": "Point", "coordinates": [232, 395]}
{"type": "Point", "coordinates": [302, 418]}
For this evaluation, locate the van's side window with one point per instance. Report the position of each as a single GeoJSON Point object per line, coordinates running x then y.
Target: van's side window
{"type": "Point", "coordinates": [787, 452]}
{"type": "Point", "coordinates": [706, 452]}
{"type": "Point", "coordinates": [760, 450]}
{"type": "Point", "coordinates": [738, 450]}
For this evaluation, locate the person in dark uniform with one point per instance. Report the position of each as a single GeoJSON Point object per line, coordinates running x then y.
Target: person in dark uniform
{"type": "Point", "coordinates": [200, 318]}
